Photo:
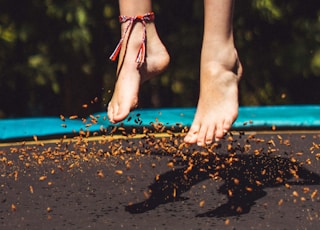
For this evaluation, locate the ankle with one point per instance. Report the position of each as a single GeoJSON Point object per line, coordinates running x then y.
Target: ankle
{"type": "Point", "coordinates": [224, 55]}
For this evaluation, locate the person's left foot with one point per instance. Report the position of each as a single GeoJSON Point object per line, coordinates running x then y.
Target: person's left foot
{"type": "Point", "coordinates": [218, 101]}
{"type": "Point", "coordinates": [130, 75]}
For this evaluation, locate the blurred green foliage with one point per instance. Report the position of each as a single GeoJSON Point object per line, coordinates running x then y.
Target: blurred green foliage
{"type": "Point", "coordinates": [54, 54]}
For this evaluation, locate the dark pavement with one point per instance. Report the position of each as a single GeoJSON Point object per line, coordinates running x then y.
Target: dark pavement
{"type": "Point", "coordinates": [247, 181]}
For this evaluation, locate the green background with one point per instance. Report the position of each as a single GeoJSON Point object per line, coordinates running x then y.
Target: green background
{"type": "Point", "coordinates": [54, 54]}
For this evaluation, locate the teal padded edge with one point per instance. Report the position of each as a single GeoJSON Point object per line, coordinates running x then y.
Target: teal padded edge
{"type": "Point", "coordinates": [297, 116]}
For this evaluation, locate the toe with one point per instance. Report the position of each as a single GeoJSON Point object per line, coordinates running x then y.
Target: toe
{"type": "Point", "coordinates": [210, 135]}
{"type": "Point", "coordinates": [219, 131]}
{"type": "Point", "coordinates": [201, 140]}
{"type": "Point", "coordinates": [120, 115]}
{"type": "Point", "coordinates": [227, 125]}
{"type": "Point", "coordinates": [118, 112]}
{"type": "Point", "coordinates": [191, 136]}
{"type": "Point", "coordinates": [110, 113]}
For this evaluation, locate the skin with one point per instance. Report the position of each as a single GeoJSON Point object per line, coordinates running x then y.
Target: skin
{"type": "Point", "coordinates": [125, 95]}
{"type": "Point", "coordinates": [220, 71]}
{"type": "Point", "coordinates": [219, 75]}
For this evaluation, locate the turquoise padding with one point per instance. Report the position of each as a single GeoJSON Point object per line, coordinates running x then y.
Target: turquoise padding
{"type": "Point", "coordinates": [302, 116]}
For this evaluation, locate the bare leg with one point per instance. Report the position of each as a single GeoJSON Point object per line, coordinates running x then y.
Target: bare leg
{"type": "Point", "coordinates": [219, 75]}
{"type": "Point", "coordinates": [130, 76]}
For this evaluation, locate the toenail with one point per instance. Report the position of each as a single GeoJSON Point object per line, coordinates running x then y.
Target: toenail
{"type": "Point", "coordinates": [208, 142]}
{"type": "Point", "coordinates": [217, 139]}
{"type": "Point", "coordinates": [199, 143]}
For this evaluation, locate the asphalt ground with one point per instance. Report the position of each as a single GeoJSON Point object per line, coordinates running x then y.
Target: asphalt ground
{"type": "Point", "coordinates": [268, 180]}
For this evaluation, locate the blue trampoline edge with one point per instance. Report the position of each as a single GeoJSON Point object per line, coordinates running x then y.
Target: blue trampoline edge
{"type": "Point", "coordinates": [253, 117]}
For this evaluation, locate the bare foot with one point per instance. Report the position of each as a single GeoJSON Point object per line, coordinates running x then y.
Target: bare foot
{"type": "Point", "coordinates": [218, 102]}
{"type": "Point", "coordinates": [130, 75]}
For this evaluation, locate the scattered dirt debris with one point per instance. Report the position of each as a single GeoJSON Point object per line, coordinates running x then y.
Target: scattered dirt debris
{"type": "Point", "coordinates": [245, 164]}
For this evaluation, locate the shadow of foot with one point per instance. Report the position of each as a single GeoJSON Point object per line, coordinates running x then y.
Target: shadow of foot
{"type": "Point", "coordinates": [150, 204]}
{"type": "Point", "coordinates": [235, 206]}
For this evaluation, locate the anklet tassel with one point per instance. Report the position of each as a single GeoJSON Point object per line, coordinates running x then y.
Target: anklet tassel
{"type": "Point", "coordinates": [149, 17]}
{"type": "Point", "coordinates": [141, 54]}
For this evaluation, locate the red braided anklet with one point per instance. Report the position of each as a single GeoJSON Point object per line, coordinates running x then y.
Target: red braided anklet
{"type": "Point", "coordinates": [149, 17]}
